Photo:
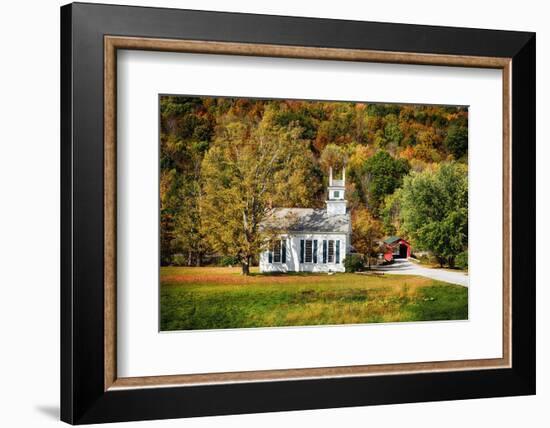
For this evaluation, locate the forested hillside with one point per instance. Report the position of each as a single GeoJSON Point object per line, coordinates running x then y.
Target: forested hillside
{"type": "Point", "coordinates": [226, 161]}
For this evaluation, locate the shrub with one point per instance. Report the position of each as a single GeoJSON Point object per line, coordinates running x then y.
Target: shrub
{"type": "Point", "coordinates": [179, 260]}
{"type": "Point", "coordinates": [461, 260]}
{"type": "Point", "coordinates": [354, 263]}
{"type": "Point", "coordinates": [424, 259]}
{"type": "Point", "coordinates": [228, 261]}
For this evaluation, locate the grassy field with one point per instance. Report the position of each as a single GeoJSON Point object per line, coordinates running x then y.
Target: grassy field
{"type": "Point", "coordinates": [214, 298]}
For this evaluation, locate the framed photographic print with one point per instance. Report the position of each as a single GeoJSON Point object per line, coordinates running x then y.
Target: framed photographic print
{"type": "Point", "coordinates": [266, 213]}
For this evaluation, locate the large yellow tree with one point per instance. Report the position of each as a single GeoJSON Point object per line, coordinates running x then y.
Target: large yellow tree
{"type": "Point", "coordinates": [249, 169]}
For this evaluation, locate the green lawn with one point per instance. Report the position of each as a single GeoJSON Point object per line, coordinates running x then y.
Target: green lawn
{"type": "Point", "coordinates": [214, 298]}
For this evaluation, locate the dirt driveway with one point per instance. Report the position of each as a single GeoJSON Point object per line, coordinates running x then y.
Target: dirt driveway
{"type": "Point", "coordinates": [406, 267]}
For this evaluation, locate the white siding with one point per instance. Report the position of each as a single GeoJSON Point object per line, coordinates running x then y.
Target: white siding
{"type": "Point", "coordinates": [336, 207]}
{"type": "Point", "coordinates": [293, 255]}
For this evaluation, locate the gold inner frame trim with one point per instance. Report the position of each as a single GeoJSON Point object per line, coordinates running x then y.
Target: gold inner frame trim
{"type": "Point", "coordinates": [113, 43]}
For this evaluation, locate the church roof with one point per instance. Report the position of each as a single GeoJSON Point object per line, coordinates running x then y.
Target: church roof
{"type": "Point", "coordinates": [307, 220]}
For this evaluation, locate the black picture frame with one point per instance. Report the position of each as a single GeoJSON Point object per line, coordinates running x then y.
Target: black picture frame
{"type": "Point", "coordinates": [83, 398]}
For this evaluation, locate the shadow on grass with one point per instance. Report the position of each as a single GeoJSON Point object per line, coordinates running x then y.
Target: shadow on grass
{"type": "Point", "coordinates": [279, 274]}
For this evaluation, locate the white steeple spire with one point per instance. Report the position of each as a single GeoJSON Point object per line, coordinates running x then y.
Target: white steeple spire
{"type": "Point", "coordinates": [336, 202]}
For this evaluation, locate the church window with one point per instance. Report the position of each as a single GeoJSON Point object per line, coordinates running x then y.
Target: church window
{"type": "Point", "coordinates": [331, 251]}
{"type": "Point", "coordinates": [309, 251]}
{"type": "Point", "coordinates": [277, 252]}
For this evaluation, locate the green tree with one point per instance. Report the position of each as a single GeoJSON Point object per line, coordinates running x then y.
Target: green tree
{"type": "Point", "coordinates": [391, 213]}
{"type": "Point", "coordinates": [434, 210]}
{"type": "Point", "coordinates": [246, 171]}
{"type": "Point", "coordinates": [381, 174]}
{"type": "Point", "coordinates": [456, 141]}
{"type": "Point", "coordinates": [392, 131]}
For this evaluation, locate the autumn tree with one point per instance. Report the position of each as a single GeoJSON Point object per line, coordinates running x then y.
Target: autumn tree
{"type": "Point", "coordinates": [188, 233]}
{"type": "Point", "coordinates": [334, 157]}
{"type": "Point", "coordinates": [367, 235]}
{"type": "Point", "coordinates": [340, 125]}
{"type": "Point", "coordinates": [186, 129]}
{"type": "Point", "coordinates": [180, 203]}
{"type": "Point", "coordinates": [246, 171]}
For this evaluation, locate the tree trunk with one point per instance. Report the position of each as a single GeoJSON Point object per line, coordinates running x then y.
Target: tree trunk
{"type": "Point", "coordinates": [246, 265]}
{"type": "Point", "coordinates": [246, 268]}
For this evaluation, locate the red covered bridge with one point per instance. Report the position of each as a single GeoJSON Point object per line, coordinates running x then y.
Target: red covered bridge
{"type": "Point", "coordinates": [396, 248]}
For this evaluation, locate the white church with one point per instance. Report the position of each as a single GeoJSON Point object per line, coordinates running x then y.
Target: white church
{"type": "Point", "coordinates": [314, 239]}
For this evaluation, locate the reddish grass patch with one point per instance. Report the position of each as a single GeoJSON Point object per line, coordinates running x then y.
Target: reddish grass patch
{"type": "Point", "coordinates": [239, 279]}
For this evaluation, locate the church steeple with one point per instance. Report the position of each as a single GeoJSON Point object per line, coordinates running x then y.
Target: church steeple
{"type": "Point", "coordinates": [336, 201]}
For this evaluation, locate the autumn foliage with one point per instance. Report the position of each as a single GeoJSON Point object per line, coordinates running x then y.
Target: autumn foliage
{"type": "Point", "coordinates": [225, 162]}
